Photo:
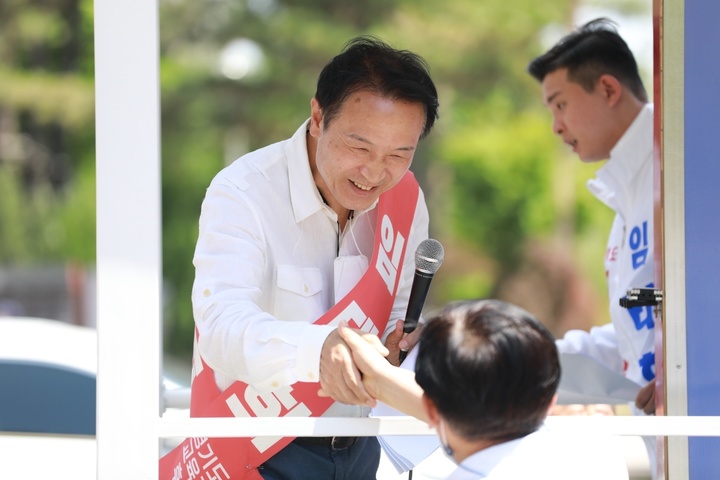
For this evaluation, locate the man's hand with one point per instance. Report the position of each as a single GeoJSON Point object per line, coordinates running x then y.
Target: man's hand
{"type": "Point", "coordinates": [339, 377]}
{"type": "Point", "coordinates": [645, 399]}
{"type": "Point", "coordinates": [397, 341]}
{"type": "Point", "coordinates": [369, 356]}
{"type": "Point", "coordinates": [396, 387]}
{"type": "Point", "coordinates": [392, 343]}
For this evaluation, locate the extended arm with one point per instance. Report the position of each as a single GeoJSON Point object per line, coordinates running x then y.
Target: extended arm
{"type": "Point", "coordinates": [391, 385]}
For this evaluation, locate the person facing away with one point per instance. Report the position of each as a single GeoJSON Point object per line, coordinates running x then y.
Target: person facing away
{"type": "Point", "coordinates": [288, 230]}
{"type": "Point", "coordinates": [590, 83]}
{"type": "Point", "coordinates": [485, 376]}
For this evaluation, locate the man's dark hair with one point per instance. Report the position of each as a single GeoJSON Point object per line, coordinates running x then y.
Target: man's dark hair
{"type": "Point", "coordinates": [490, 368]}
{"type": "Point", "coordinates": [367, 63]}
{"type": "Point", "coordinates": [592, 50]}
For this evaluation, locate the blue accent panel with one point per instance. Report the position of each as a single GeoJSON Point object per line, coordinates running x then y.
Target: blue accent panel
{"type": "Point", "coordinates": [702, 225]}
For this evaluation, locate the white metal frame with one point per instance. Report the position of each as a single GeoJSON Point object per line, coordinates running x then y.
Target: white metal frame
{"type": "Point", "coordinates": [128, 237]}
{"type": "Point", "coordinates": [129, 266]}
{"type": "Point", "coordinates": [673, 188]}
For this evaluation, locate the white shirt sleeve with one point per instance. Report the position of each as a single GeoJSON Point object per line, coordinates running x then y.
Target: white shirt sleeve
{"type": "Point", "coordinates": [599, 343]}
{"type": "Point", "coordinates": [237, 337]}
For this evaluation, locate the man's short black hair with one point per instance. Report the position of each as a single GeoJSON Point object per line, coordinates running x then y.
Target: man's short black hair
{"type": "Point", "coordinates": [490, 368]}
{"type": "Point", "coordinates": [367, 63]}
{"type": "Point", "coordinates": [592, 50]}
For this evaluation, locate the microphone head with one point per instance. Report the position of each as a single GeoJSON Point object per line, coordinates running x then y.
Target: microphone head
{"type": "Point", "coordinates": [429, 256]}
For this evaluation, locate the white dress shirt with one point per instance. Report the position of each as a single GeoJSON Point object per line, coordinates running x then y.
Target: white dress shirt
{"type": "Point", "coordinates": [270, 260]}
{"type": "Point", "coordinates": [625, 184]}
{"type": "Point", "coordinates": [546, 455]}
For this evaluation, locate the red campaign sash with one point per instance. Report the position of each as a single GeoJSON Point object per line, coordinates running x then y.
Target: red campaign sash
{"type": "Point", "coordinates": [367, 306]}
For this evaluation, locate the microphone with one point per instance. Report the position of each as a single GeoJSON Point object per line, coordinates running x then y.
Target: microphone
{"type": "Point", "coordinates": [428, 258]}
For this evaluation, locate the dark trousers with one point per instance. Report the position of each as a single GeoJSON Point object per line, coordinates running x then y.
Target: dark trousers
{"type": "Point", "coordinates": [301, 461]}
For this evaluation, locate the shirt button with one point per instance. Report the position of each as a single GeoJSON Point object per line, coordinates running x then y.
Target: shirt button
{"type": "Point", "coordinates": [275, 384]}
{"type": "Point", "coordinates": [307, 289]}
{"type": "Point", "coordinates": [311, 376]}
{"type": "Point", "coordinates": [206, 292]}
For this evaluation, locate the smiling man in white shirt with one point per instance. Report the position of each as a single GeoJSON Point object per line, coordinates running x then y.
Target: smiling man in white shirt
{"type": "Point", "coordinates": [286, 233]}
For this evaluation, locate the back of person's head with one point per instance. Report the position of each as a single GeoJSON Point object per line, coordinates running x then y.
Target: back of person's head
{"type": "Point", "coordinates": [367, 63]}
{"type": "Point", "coordinates": [490, 368]}
{"type": "Point", "coordinates": [592, 50]}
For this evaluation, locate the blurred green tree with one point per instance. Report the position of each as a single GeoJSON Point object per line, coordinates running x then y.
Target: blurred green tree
{"type": "Point", "coordinates": [506, 201]}
{"type": "Point", "coordinates": [492, 145]}
{"type": "Point", "coordinates": [46, 131]}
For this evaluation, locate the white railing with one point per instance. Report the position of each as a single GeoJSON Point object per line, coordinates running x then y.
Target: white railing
{"type": "Point", "coordinates": [176, 426]}
{"type": "Point", "coordinates": [374, 426]}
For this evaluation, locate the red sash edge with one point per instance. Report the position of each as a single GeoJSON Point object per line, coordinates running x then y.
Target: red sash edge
{"type": "Point", "coordinates": [367, 306]}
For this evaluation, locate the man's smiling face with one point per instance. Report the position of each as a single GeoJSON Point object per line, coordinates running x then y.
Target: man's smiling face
{"type": "Point", "coordinates": [365, 150]}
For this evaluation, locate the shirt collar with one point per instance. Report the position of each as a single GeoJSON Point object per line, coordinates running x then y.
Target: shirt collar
{"type": "Point", "coordinates": [481, 464]}
{"type": "Point", "coordinates": [626, 160]}
{"type": "Point", "coordinates": [304, 194]}
{"type": "Point", "coordinates": [632, 146]}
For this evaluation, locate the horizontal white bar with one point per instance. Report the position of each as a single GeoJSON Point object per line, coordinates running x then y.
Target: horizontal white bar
{"type": "Point", "coordinates": [292, 427]}
{"type": "Point", "coordinates": [363, 427]}
{"type": "Point", "coordinates": [643, 426]}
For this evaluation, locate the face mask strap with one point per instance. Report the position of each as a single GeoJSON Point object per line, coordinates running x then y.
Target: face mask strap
{"type": "Point", "coordinates": [449, 451]}
{"type": "Point", "coordinates": [443, 440]}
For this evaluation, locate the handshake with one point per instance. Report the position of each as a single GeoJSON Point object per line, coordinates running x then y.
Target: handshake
{"type": "Point", "coordinates": [485, 372]}
{"type": "Point", "coordinates": [357, 369]}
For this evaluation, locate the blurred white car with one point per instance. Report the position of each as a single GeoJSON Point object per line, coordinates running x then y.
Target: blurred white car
{"type": "Point", "coordinates": [48, 399]}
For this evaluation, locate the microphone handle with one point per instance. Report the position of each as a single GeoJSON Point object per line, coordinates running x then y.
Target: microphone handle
{"type": "Point", "coordinates": [403, 355]}
{"type": "Point", "coordinates": [418, 293]}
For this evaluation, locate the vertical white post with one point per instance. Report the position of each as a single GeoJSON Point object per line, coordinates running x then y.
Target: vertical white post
{"type": "Point", "coordinates": [673, 116]}
{"type": "Point", "coordinates": [128, 237]}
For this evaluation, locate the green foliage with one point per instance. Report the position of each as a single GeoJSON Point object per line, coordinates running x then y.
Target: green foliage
{"type": "Point", "coordinates": [493, 173]}
{"type": "Point", "coordinates": [463, 285]}
{"type": "Point", "coordinates": [47, 185]}
{"type": "Point", "coordinates": [502, 179]}
{"type": "Point", "coordinates": [63, 99]}
{"type": "Point", "coordinates": [77, 218]}
{"type": "Point", "coordinates": [30, 229]}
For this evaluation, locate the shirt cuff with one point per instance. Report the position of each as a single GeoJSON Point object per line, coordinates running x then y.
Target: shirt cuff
{"type": "Point", "coordinates": [308, 352]}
